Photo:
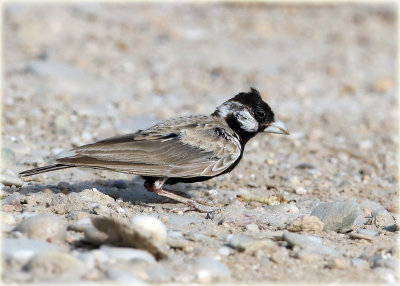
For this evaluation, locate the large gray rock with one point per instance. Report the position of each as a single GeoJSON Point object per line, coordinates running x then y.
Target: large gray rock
{"type": "Point", "coordinates": [309, 243]}
{"type": "Point", "coordinates": [337, 216]}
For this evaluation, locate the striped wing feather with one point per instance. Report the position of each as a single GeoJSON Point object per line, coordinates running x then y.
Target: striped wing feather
{"type": "Point", "coordinates": [190, 151]}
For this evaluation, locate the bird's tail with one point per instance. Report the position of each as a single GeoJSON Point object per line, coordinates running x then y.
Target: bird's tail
{"type": "Point", "coordinates": [43, 169]}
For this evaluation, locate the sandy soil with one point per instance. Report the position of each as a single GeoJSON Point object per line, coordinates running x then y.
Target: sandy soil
{"type": "Point", "coordinates": [74, 74]}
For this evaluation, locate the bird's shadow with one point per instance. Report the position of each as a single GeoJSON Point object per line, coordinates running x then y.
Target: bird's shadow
{"type": "Point", "coordinates": [128, 190]}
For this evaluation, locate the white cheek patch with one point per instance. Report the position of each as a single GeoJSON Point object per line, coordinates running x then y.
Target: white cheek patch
{"type": "Point", "coordinates": [227, 108]}
{"type": "Point", "coordinates": [246, 120]}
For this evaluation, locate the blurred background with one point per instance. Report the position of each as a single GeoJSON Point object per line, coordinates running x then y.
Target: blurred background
{"type": "Point", "coordinates": [77, 73]}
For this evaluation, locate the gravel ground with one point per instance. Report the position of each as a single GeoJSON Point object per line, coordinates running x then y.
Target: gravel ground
{"type": "Point", "coordinates": [77, 73]}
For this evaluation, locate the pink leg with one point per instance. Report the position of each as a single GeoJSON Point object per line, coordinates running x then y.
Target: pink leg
{"type": "Point", "coordinates": [191, 204]}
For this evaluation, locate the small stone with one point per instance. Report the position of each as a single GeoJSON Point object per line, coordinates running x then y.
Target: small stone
{"type": "Point", "coordinates": [11, 203]}
{"type": "Point", "coordinates": [144, 232]}
{"type": "Point", "coordinates": [56, 264]}
{"type": "Point", "coordinates": [124, 277]}
{"type": "Point", "coordinates": [101, 210]}
{"type": "Point", "coordinates": [22, 250]}
{"type": "Point", "coordinates": [337, 216]}
{"type": "Point", "coordinates": [360, 236]}
{"type": "Point", "coordinates": [283, 208]}
{"type": "Point", "coordinates": [383, 220]}
{"type": "Point", "coordinates": [7, 157]}
{"type": "Point", "coordinates": [384, 261]}
{"type": "Point", "coordinates": [47, 227]}
{"type": "Point", "coordinates": [96, 196]}
{"type": "Point", "coordinates": [88, 259]}
{"type": "Point", "coordinates": [306, 223]}
{"type": "Point", "coordinates": [224, 251]}
{"type": "Point", "coordinates": [127, 254]}
{"type": "Point", "coordinates": [338, 263]}
{"type": "Point", "coordinates": [208, 269]}
{"type": "Point", "coordinates": [152, 226]}
{"type": "Point", "coordinates": [246, 243]}
{"type": "Point", "coordinates": [308, 256]}
{"type": "Point", "coordinates": [301, 191]}
{"type": "Point", "coordinates": [280, 255]}
{"type": "Point", "coordinates": [9, 180]}
{"type": "Point", "coordinates": [80, 225]}
{"type": "Point", "coordinates": [64, 185]}
{"type": "Point", "coordinates": [252, 228]}
{"type": "Point", "coordinates": [360, 263]}
{"type": "Point", "coordinates": [310, 243]}
{"type": "Point", "coordinates": [94, 236]}
{"type": "Point", "coordinates": [305, 166]}
{"type": "Point", "coordinates": [210, 215]}
{"type": "Point", "coordinates": [7, 218]}
{"type": "Point", "coordinates": [385, 275]}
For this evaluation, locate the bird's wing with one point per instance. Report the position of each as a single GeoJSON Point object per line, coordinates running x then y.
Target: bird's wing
{"type": "Point", "coordinates": [186, 148]}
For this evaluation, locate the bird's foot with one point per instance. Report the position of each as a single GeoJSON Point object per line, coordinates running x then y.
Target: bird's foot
{"type": "Point", "coordinates": [191, 205]}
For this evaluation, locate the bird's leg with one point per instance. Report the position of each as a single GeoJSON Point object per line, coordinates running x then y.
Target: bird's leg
{"type": "Point", "coordinates": [156, 187]}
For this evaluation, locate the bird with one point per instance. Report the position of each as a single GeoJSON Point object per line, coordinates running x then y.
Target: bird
{"type": "Point", "coordinates": [185, 149]}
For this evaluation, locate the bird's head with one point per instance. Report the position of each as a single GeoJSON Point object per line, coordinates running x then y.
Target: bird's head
{"type": "Point", "coordinates": [247, 114]}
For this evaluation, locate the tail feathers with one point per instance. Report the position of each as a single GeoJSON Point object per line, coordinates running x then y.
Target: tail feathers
{"type": "Point", "coordinates": [43, 169]}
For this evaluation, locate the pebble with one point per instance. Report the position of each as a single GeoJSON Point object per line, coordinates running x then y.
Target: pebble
{"type": "Point", "coordinates": [283, 208]}
{"type": "Point", "coordinates": [252, 227]}
{"type": "Point", "coordinates": [337, 216]}
{"type": "Point", "coordinates": [208, 270]}
{"type": "Point", "coordinates": [124, 277]}
{"type": "Point", "coordinates": [56, 264]}
{"type": "Point", "coordinates": [243, 242]}
{"type": "Point", "coordinates": [127, 254]}
{"type": "Point", "coordinates": [22, 250]}
{"type": "Point", "coordinates": [81, 225]}
{"type": "Point", "coordinates": [359, 263]}
{"type": "Point", "coordinates": [310, 243]}
{"type": "Point", "coordinates": [11, 203]}
{"type": "Point", "coordinates": [7, 218]}
{"type": "Point", "coordinates": [100, 210]}
{"type": "Point", "coordinates": [7, 157]}
{"type": "Point", "coordinates": [360, 236]}
{"type": "Point", "coordinates": [95, 195]}
{"type": "Point", "coordinates": [47, 227]}
{"type": "Point", "coordinates": [280, 255]}
{"type": "Point", "coordinates": [224, 251]}
{"type": "Point", "coordinates": [384, 261]}
{"type": "Point", "coordinates": [338, 263]}
{"type": "Point", "coordinates": [151, 227]}
{"type": "Point", "coordinates": [94, 236]}
{"type": "Point", "coordinates": [9, 180]}
{"type": "Point", "coordinates": [145, 232]}
{"type": "Point", "coordinates": [306, 223]}
{"type": "Point", "coordinates": [235, 215]}
{"type": "Point", "coordinates": [385, 275]}
{"type": "Point", "coordinates": [64, 185]}
{"type": "Point", "coordinates": [301, 191]}
{"type": "Point", "coordinates": [383, 221]}
{"type": "Point", "coordinates": [88, 259]}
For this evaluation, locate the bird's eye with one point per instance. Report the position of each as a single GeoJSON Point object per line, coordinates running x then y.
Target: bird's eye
{"type": "Point", "coordinates": [260, 113]}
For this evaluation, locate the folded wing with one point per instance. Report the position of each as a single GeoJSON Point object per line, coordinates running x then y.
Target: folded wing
{"type": "Point", "coordinates": [190, 151]}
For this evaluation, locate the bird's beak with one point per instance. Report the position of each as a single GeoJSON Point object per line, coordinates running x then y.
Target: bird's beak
{"type": "Point", "coordinates": [277, 127]}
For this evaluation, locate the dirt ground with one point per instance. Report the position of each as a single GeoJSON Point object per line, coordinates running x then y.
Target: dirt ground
{"type": "Point", "coordinates": [74, 74]}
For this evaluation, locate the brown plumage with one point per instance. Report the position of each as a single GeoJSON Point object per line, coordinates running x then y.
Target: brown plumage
{"type": "Point", "coordinates": [184, 149]}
